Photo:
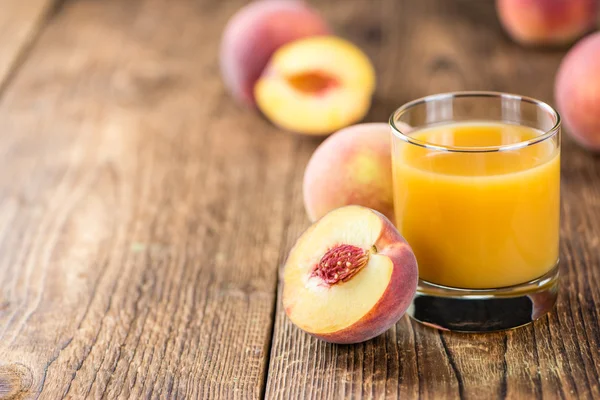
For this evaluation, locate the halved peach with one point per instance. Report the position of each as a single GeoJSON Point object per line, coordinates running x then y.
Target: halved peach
{"type": "Point", "coordinates": [255, 32]}
{"type": "Point", "coordinates": [316, 85]}
{"type": "Point", "coordinates": [349, 277]}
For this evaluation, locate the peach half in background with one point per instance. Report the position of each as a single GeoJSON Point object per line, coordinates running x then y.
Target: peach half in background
{"type": "Point", "coordinates": [577, 92]}
{"type": "Point", "coordinates": [316, 85]}
{"type": "Point", "coordinates": [550, 22]}
{"type": "Point", "coordinates": [349, 277]}
{"type": "Point", "coordinates": [254, 33]}
{"type": "Point", "coordinates": [353, 166]}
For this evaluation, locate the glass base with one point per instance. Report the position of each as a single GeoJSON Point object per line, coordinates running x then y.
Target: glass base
{"type": "Point", "coordinates": [484, 310]}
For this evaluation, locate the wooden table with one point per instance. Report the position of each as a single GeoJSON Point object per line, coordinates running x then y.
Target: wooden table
{"type": "Point", "coordinates": [144, 215]}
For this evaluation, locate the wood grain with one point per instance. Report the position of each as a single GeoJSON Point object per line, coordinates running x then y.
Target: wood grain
{"type": "Point", "coordinates": [421, 48]}
{"type": "Point", "coordinates": [141, 212]}
{"type": "Point", "coordinates": [20, 22]}
{"type": "Point", "coordinates": [143, 216]}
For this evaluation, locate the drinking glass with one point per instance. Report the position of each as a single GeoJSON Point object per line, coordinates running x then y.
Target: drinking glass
{"type": "Point", "coordinates": [482, 220]}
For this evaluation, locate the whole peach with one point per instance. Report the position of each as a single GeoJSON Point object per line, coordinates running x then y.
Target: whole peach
{"type": "Point", "coordinates": [551, 22]}
{"type": "Point", "coordinates": [254, 33]}
{"type": "Point", "coordinates": [353, 166]}
{"type": "Point", "coordinates": [577, 92]}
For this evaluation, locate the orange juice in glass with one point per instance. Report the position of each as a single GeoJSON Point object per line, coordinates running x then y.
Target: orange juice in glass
{"type": "Point", "coordinates": [477, 196]}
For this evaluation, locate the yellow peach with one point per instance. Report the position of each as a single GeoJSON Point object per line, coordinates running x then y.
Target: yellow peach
{"type": "Point", "coordinates": [316, 85]}
{"type": "Point", "coordinates": [255, 32]}
{"type": "Point", "coordinates": [350, 276]}
{"type": "Point", "coordinates": [550, 22]}
{"type": "Point", "coordinates": [577, 92]}
{"type": "Point", "coordinates": [353, 166]}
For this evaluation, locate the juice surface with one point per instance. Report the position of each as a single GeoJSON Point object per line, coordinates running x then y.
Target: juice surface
{"type": "Point", "coordinates": [479, 220]}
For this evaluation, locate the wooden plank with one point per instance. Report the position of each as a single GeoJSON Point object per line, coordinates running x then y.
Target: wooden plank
{"type": "Point", "coordinates": [20, 22]}
{"type": "Point", "coordinates": [421, 48]}
{"type": "Point", "coordinates": [142, 212]}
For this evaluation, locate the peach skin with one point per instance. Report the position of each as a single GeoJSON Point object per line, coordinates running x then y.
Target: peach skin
{"type": "Point", "coordinates": [577, 92]}
{"type": "Point", "coordinates": [353, 166]}
{"type": "Point", "coordinates": [547, 22]}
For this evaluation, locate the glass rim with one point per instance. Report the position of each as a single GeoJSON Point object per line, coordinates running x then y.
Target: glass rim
{"type": "Point", "coordinates": [474, 149]}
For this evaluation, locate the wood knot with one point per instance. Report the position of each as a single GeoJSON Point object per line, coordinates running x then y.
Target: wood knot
{"type": "Point", "coordinates": [145, 83]}
{"type": "Point", "coordinates": [15, 381]}
{"type": "Point", "coordinates": [441, 63]}
{"type": "Point", "coordinates": [374, 34]}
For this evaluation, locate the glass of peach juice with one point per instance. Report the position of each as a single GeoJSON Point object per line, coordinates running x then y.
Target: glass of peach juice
{"type": "Point", "coordinates": [476, 180]}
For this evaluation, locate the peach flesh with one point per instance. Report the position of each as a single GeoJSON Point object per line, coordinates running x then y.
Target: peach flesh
{"type": "Point", "coordinates": [360, 303]}
{"type": "Point", "coordinates": [316, 85]}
